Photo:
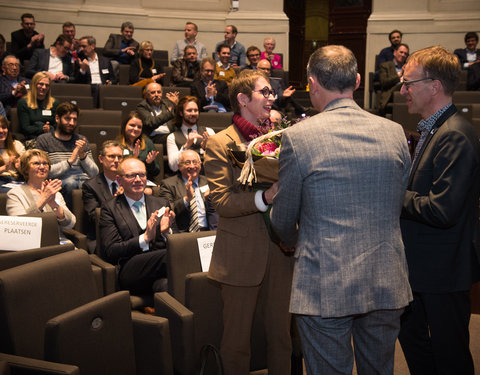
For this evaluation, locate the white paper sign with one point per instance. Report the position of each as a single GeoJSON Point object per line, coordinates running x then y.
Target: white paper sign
{"type": "Point", "coordinates": [205, 248]}
{"type": "Point", "coordinates": [20, 232]}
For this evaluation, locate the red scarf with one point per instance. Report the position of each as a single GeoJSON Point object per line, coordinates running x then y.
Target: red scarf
{"type": "Point", "coordinates": [248, 130]}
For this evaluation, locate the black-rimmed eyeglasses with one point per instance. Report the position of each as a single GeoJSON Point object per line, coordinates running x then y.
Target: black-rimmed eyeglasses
{"type": "Point", "coordinates": [408, 83]}
{"type": "Point", "coordinates": [266, 92]}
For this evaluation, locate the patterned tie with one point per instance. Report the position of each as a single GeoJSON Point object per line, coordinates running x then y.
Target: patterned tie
{"type": "Point", "coordinates": [140, 214]}
{"type": "Point", "coordinates": [114, 188]}
{"type": "Point", "coordinates": [193, 227]}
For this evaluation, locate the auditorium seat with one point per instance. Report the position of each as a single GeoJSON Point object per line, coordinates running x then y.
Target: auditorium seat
{"type": "Point", "coordinates": [17, 365]}
{"type": "Point", "coordinates": [82, 102]}
{"type": "Point", "coordinates": [100, 117]}
{"type": "Point", "coordinates": [215, 120]}
{"type": "Point", "coordinates": [50, 310]}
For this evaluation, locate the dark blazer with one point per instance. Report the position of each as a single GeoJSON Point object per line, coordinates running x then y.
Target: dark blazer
{"type": "Point", "coordinates": [106, 71]}
{"type": "Point", "coordinates": [173, 189]}
{"type": "Point", "coordinates": [19, 45]}
{"type": "Point", "coordinates": [150, 121]}
{"type": "Point", "coordinates": [473, 77]}
{"type": "Point", "coordinates": [462, 55]}
{"type": "Point", "coordinates": [180, 71]}
{"type": "Point", "coordinates": [95, 192]}
{"type": "Point", "coordinates": [141, 68]}
{"type": "Point", "coordinates": [114, 44]}
{"type": "Point", "coordinates": [389, 79]}
{"type": "Point", "coordinates": [198, 90]}
{"type": "Point", "coordinates": [40, 61]}
{"type": "Point", "coordinates": [119, 229]}
{"type": "Point", "coordinates": [439, 218]}
{"type": "Point", "coordinates": [6, 97]}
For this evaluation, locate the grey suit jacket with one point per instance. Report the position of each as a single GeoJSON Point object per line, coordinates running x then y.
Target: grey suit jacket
{"type": "Point", "coordinates": [342, 179]}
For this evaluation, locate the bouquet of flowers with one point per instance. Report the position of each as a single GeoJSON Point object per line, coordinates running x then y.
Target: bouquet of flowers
{"type": "Point", "coordinates": [261, 156]}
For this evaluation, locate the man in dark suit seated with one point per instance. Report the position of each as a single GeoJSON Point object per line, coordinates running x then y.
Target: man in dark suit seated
{"type": "Point", "coordinates": [132, 229]}
{"type": "Point", "coordinates": [187, 186]}
{"type": "Point", "coordinates": [121, 48]}
{"type": "Point", "coordinates": [157, 112]}
{"type": "Point", "coordinates": [210, 92]}
{"type": "Point", "coordinates": [186, 69]}
{"type": "Point", "coordinates": [439, 219]}
{"type": "Point", "coordinates": [54, 60]}
{"type": "Point", "coordinates": [389, 75]}
{"type": "Point", "coordinates": [253, 56]}
{"type": "Point", "coordinates": [12, 85]}
{"type": "Point", "coordinates": [469, 55]}
{"type": "Point", "coordinates": [103, 187]}
{"type": "Point", "coordinates": [26, 40]}
{"type": "Point", "coordinates": [90, 67]}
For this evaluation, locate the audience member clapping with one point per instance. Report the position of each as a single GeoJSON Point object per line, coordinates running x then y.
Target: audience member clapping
{"type": "Point", "coordinates": [137, 144]}
{"type": "Point", "coordinates": [143, 68]}
{"type": "Point", "coordinates": [39, 194]}
{"type": "Point", "coordinates": [26, 40]}
{"type": "Point", "coordinates": [12, 85]}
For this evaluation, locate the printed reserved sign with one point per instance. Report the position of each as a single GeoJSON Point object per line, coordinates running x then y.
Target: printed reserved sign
{"type": "Point", "coordinates": [20, 232]}
{"type": "Point", "coordinates": [205, 248]}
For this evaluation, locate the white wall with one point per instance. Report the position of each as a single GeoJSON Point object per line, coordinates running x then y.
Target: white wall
{"type": "Point", "coordinates": [160, 21]}
{"type": "Point", "coordinates": [423, 23]}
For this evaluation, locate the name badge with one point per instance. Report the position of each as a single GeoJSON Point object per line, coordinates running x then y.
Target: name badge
{"type": "Point", "coordinates": [154, 71]}
{"type": "Point", "coordinates": [221, 73]}
{"type": "Point", "coordinates": [27, 86]}
{"type": "Point", "coordinates": [105, 71]}
{"type": "Point", "coordinates": [126, 152]}
{"type": "Point", "coordinates": [203, 189]}
{"type": "Point", "coordinates": [46, 112]}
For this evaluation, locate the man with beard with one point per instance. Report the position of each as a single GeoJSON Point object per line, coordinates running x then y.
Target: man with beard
{"type": "Point", "coordinates": [188, 135]}
{"type": "Point", "coordinates": [69, 152]}
{"type": "Point", "coordinates": [103, 187]}
{"type": "Point", "coordinates": [12, 85]}
{"type": "Point", "coordinates": [156, 112]}
{"type": "Point", "coordinates": [386, 54]}
{"type": "Point", "coordinates": [389, 75]}
{"type": "Point", "coordinates": [184, 188]}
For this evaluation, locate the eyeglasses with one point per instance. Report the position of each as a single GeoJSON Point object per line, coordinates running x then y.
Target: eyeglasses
{"type": "Point", "coordinates": [408, 83]}
{"type": "Point", "coordinates": [266, 92]}
{"type": "Point", "coordinates": [254, 55]}
{"type": "Point", "coordinates": [39, 163]}
{"type": "Point", "coordinates": [12, 65]}
{"type": "Point", "coordinates": [113, 157]}
{"type": "Point", "coordinates": [131, 176]}
{"type": "Point", "coordinates": [190, 162]}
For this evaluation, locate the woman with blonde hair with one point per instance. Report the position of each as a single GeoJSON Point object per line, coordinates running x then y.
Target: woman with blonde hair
{"type": "Point", "coordinates": [39, 194]}
{"type": "Point", "coordinates": [143, 68]}
{"type": "Point", "coordinates": [10, 151]}
{"type": "Point", "coordinates": [36, 111]}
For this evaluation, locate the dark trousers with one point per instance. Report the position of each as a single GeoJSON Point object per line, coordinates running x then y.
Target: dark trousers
{"type": "Point", "coordinates": [434, 334]}
{"type": "Point", "coordinates": [140, 273]}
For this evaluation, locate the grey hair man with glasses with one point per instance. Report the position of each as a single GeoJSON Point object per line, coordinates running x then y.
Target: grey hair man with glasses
{"type": "Point", "coordinates": [103, 187]}
{"type": "Point", "coordinates": [132, 231]}
{"type": "Point", "coordinates": [439, 219]}
{"type": "Point", "coordinates": [12, 85]}
{"type": "Point", "coordinates": [187, 185]}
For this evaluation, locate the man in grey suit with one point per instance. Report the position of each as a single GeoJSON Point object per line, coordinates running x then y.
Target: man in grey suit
{"type": "Point", "coordinates": [341, 185]}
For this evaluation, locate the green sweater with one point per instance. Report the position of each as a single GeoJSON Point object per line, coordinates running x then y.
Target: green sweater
{"type": "Point", "coordinates": [32, 120]}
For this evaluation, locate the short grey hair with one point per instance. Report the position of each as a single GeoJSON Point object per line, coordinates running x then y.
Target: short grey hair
{"type": "Point", "coordinates": [334, 67]}
{"type": "Point", "coordinates": [4, 62]}
{"type": "Point", "coordinates": [90, 40]}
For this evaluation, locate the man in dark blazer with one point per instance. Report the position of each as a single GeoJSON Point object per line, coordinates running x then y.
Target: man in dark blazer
{"type": "Point", "coordinates": [41, 58]}
{"type": "Point", "coordinates": [439, 219]}
{"type": "Point", "coordinates": [186, 69]}
{"type": "Point", "coordinates": [157, 112]}
{"type": "Point", "coordinates": [179, 190]}
{"type": "Point", "coordinates": [121, 48]}
{"type": "Point", "coordinates": [90, 61]}
{"type": "Point", "coordinates": [389, 75]}
{"type": "Point", "coordinates": [132, 228]}
{"type": "Point", "coordinates": [26, 40]}
{"type": "Point", "coordinates": [469, 55]}
{"type": "Point", "coordinates": [101, 188]}
{"type": "Point", "coordinates": [12, 85]}
{"type": "Point", "coordinates": [210, 91]}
